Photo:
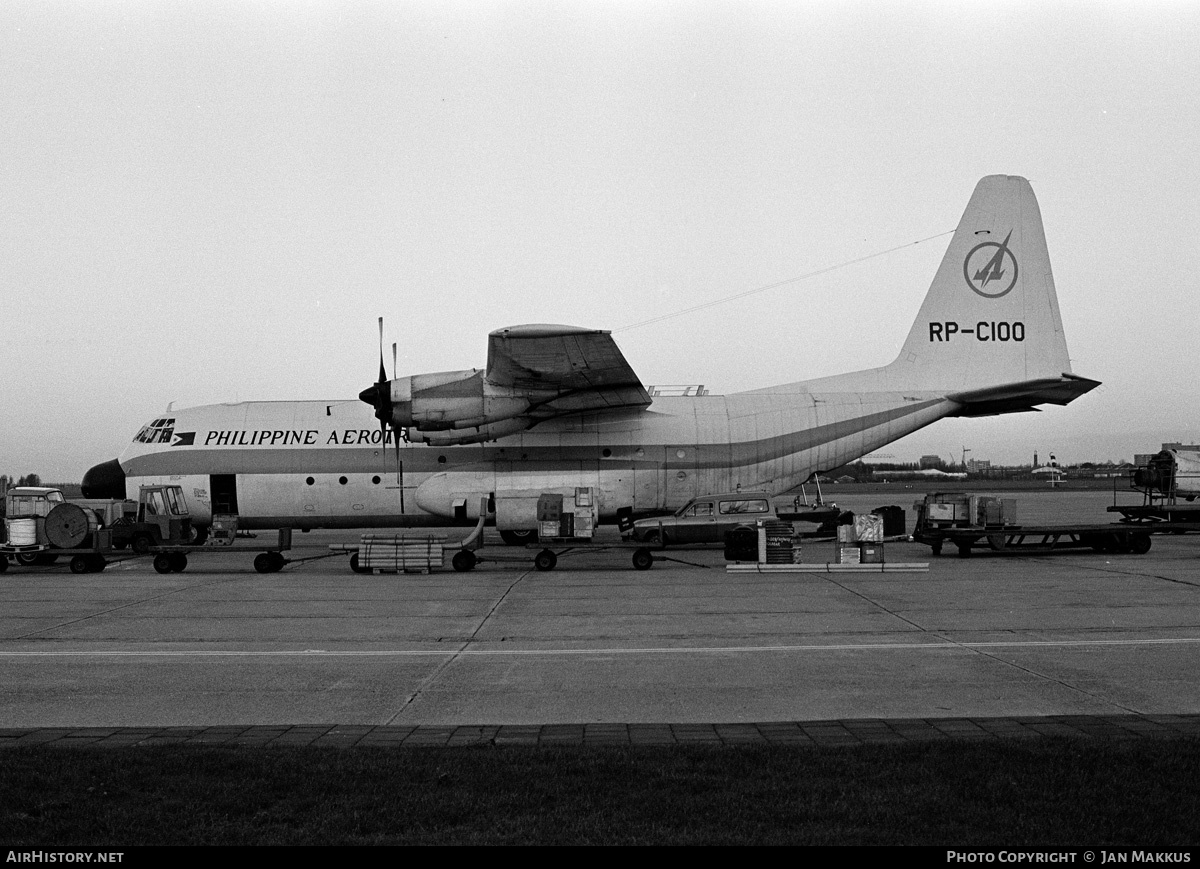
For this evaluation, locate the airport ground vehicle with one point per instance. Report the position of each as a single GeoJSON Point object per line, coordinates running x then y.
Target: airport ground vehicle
{"type": "Point", "coordinates": [710, 518]}
{"type": "Point", "coordinates": [1170, 487]}
{"type": "Point", "coordinates": [968, 520]}
{"type": "Point", "coordinates": [703, 520]}
{"type": "Point", "coordinates": [42, 526]}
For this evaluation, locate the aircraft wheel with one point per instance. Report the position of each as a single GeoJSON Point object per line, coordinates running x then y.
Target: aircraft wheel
{"type": "Point", "coordinates": [141, 544]}
{"type": "Point", "coordinates": [28, 559]}
{"type": "Point", "coordinates": [518, 538]}
{"type": "Point", "coordinates": [81, 564]}
{"type": "Point", "coordinates": [178, 561]}
{"type": "Point", "coordinates": [463, 560]}
{"type": "Point", "coordinates": [545, 560]}
{"type": "Point", "coordinates": [643, 559]}
{"type": "Point", "coordinates": [162, 563]}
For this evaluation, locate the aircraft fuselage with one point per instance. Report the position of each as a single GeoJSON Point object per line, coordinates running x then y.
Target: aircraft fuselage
{"type": "Point", "coordinates": [310, 464]}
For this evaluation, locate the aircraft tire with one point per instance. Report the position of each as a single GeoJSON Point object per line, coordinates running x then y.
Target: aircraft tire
{"type": "Point", "coordinates": [463, 560]}
{"type": "Point", "coordinates": [518, 538]}
{"type": "Point", "coordinates": [263, 563]}
{"type": "Point", "coordinates": [545, 560]}
{"type": "Point", "coordinates": [643, 559]}
{"type": "Point", "coordinates": [162, 563]}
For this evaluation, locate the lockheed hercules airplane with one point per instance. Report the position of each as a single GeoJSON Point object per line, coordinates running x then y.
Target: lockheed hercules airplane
{"type": "Point", "coordinates": [558, 407]}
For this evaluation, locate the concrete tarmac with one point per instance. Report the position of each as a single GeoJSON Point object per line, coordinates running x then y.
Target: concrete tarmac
{"type": "Point", "coordinates": [1048, 637]}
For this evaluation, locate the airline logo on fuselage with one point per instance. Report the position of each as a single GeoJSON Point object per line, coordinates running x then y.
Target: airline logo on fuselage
{"type": "Point", "coordinates": [296, 438]}
{"type": "Point", "coordinates": [991, 269]}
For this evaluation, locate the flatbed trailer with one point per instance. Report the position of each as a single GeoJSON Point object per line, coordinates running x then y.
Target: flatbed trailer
{"type": "Point", "coordinates": [1106, 537]}
{"type": "Point", "coordinates": [166, 558]}
{"type": "Point", "coordinates": [548, 552]}
{"type": "Point", "coordinates": [92, 558]}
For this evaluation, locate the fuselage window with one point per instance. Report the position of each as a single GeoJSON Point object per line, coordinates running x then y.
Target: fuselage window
{"type": "Point", "coordinates": [375, 480]}
{"type": "Point", "coordinates": [342, 480]}
{"type": "Point", "coordinates": [310, 481]}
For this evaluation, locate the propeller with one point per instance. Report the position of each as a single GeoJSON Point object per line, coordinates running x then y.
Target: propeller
{"type": "Point", "coordinates": [379, 394]}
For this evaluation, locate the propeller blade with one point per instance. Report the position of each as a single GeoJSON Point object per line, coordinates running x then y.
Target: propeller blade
{"type": "Point", "coordinates": [382, 372]}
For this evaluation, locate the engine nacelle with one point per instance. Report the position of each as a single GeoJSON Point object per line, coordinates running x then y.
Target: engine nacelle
{"type": "Point", "coordinates": [452, 400]}
{"type": "Point", "coordinates": [473, 435]}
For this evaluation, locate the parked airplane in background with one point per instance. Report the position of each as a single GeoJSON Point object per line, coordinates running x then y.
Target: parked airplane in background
{"type": "Point", "coordinates": [558, 407]}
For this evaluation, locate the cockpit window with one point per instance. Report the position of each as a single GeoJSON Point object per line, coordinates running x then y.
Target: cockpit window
{"type": "Point", "coordinates": [157, 432]}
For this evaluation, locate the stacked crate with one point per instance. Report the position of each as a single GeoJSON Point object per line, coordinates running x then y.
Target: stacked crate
{"type": "Point", "coordinates": [861, 542]}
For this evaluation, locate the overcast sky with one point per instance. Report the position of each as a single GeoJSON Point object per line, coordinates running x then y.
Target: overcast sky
{"type": "Point", "coordinates": [213, 202]}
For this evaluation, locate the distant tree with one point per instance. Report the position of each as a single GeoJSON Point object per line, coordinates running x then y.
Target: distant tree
{"type": "Point", "coordinates": [30, 480]}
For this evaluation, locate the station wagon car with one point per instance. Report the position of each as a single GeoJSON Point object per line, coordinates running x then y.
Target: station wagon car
{"type": "Point", "coordinates": [704, 519]}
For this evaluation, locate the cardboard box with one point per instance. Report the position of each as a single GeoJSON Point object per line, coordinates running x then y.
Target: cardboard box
{"type": "Point", "coordinates": [868, 528]}
{"type": "Point", "coordinates": [870, 553]}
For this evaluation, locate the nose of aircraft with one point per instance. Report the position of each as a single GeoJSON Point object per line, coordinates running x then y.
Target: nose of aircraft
{"type": "Point", "coordinates": [105, 480]}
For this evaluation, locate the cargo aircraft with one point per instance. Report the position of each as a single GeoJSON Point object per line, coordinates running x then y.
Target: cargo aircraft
{"type": "Point", "coordinates": [558, 408]}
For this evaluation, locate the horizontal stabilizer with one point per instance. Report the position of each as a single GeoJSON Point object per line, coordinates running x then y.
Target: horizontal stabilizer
{"type": "Point", "coordinates": [1019, 397]}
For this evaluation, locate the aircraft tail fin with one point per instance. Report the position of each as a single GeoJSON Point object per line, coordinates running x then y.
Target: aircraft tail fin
{"type": "Point", "coordinates": [989, 329]}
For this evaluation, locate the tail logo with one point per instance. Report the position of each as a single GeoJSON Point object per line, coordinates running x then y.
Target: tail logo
{"type": "Point", "coordinates": [991, 269]}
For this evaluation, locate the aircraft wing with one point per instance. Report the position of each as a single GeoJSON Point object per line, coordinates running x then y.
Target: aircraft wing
{"type": "Point", "coordinates": [565, 368]}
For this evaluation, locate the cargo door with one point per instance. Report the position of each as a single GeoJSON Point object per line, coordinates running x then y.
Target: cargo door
{"type": "Point", "coordinates": [224, 493]}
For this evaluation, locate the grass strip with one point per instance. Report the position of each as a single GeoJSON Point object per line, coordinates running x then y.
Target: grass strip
{"type": "Point", "coordinates": [1137, 793]}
